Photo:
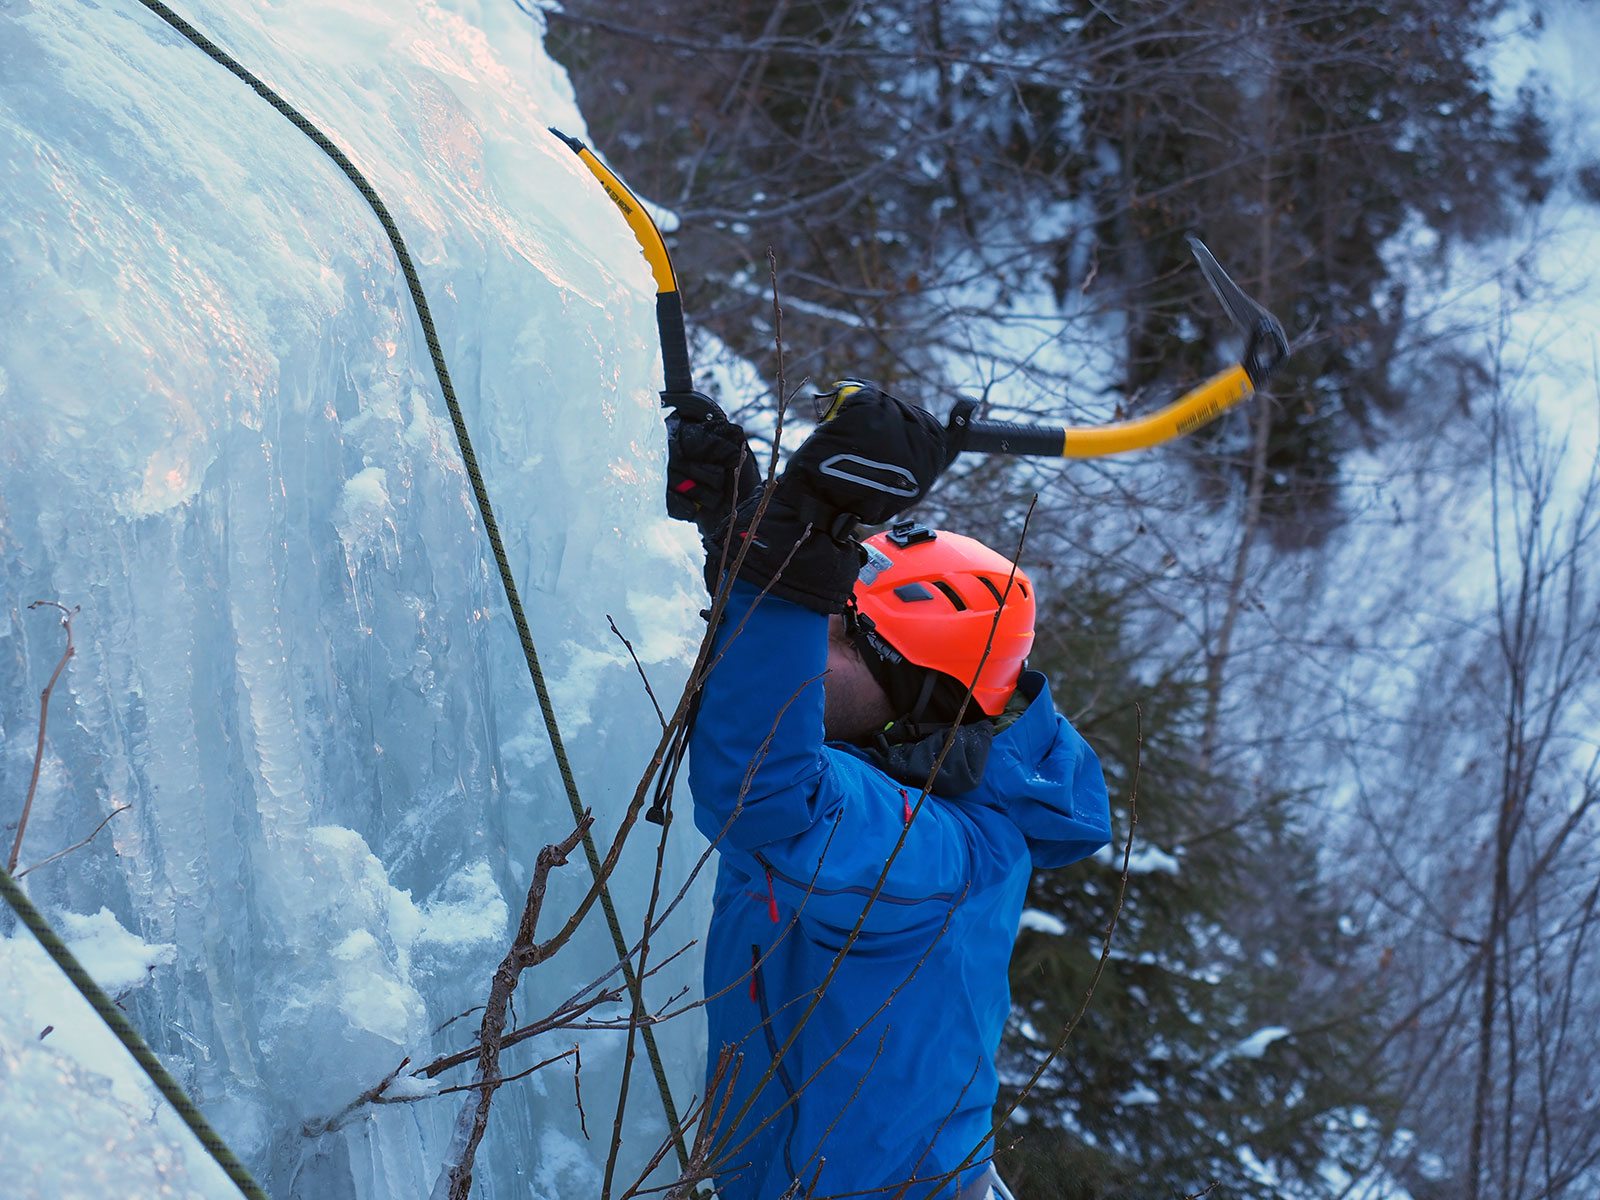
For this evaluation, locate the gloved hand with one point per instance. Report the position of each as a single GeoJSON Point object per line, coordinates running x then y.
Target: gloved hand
{"type": "Point", "coordinates": [875, 456]}
{"type": "Point", "coordinates": [709, 467]}
{"type": "Point", "coordinates": [792, 557]}
{"type": "Point", "coordinates": [872, 456]}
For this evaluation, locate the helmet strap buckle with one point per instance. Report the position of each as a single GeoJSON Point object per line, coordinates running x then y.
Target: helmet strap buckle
{"type": "Point", "coordinates": [856, 622]}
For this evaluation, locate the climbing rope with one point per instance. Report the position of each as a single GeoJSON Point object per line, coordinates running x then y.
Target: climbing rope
{"type": "Point", "coordinates": [485, 510]}
{"type": "Point", "coordinates": [114, 1017]}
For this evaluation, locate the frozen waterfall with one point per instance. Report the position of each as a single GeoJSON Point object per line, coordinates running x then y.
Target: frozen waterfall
{"type": "Point", "coordinates": [222, 442]}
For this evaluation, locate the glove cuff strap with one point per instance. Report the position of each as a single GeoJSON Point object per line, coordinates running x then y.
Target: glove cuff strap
{"type": "Point", "coordinates": [825, 519]}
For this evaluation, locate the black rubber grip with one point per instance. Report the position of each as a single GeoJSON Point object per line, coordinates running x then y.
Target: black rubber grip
{"type": "Point", "coordinates": [674, 342]}
{"type": "Point", "coordinates": [1004, 437]}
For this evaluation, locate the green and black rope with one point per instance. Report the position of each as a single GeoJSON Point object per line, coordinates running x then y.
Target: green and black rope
{"type": "Point", "coordinates": [119, 1024]}
{"type": "Point", "coordinates": [485, 510]}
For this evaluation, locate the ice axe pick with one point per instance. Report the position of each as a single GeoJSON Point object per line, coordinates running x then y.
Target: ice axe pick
{"type": "Point", "coordinates": [1265, 347]}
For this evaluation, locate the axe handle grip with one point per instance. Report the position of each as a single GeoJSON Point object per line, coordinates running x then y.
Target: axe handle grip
{"type": "Point", "coordinates": [1008, 437]}
{"type": "Point", "coordinates": [1193, 409]}
{"type": "Point", "coordinates": [674, 343]}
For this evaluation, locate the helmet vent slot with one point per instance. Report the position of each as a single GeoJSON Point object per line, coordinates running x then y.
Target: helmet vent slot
{"type": "Point", "coordinates": [993, 591]}
{"type": "Point", "coordinates": [950, 594]}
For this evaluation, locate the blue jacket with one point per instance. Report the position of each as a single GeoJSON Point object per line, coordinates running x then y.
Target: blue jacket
{"type": "Point", "coordinates": [891, 1075]}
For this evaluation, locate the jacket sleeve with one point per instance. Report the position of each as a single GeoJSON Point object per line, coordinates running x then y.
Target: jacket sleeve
{"type": "Point", "coordinates": [817, 822]}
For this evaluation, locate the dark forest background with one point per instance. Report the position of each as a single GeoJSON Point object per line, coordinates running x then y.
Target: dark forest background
{"type": "Point", "coordinates": [1354, 949]}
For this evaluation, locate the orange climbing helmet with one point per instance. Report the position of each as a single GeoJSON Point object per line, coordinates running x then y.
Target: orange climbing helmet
{"type": "Point", "coordinates": [933, 596]}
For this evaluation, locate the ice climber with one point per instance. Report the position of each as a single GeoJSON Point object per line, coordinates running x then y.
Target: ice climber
{"type": "Point", "coordinates": [856, 962]}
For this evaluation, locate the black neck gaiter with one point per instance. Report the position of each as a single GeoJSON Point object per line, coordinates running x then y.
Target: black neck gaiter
{"type": "Point", "coordinates": [906, 752]}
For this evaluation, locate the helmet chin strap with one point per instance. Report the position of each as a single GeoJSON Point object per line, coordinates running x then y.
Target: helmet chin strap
{"type": "Point", "coordinates": [930, 680]}
{"type": "Point", "coordinates": [897, 675]}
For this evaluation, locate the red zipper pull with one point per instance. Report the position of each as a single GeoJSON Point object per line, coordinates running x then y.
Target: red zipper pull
{"type": "Point", "coordinates": [772, 900]}
{"type": "Point", "coordinates": [904, 795]}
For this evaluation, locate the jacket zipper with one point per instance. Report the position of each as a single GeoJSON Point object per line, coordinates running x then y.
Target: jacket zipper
{"type": "Point", "coordinates": [772, 899]}
{"type": "Point", "coordinates": [758, 993]}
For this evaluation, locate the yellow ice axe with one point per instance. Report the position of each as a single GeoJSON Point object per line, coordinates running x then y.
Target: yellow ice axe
{"type": "Point", "coordinates": [669, 307]}
{"type": "Point", "coordinates": [1265, 347]}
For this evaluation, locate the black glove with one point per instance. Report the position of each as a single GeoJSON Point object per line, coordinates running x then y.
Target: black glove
{"type": "Point", "coordinates": [709, 467]}
{"type": "Point", "coordinates": [874, 456]}
{"type": "Point", "coordinates": [814, 566]}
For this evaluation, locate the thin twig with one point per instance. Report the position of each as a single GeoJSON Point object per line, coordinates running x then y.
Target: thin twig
{"type": "Point", "coordinates": [955, 1107]}
{"type": "Point", "coordinates": [563, 1016]}
{"type": "Point", "coordinates": [777, 339]}
{"type": "Point", "coordinates": [577, 1091]}
{"type": "Point", "coordinates": [373, 1095]}
{"type": "Point", "coordinates": [458, 1017]}
{"type": "Point", "coordinates": [44, 712]}
{"type": "Point", "coordinates": [469, 1087]}
{"type": "Point", "coordinates": [638, 666]}
{"type": "Point", "coordinates": [378, 1093]}
{"type": "Point", "coordinates": [121, 808]}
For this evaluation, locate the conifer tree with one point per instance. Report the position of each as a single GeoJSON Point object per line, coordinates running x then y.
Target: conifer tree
{"type": "Point", "coordinates": [1219, 1046]}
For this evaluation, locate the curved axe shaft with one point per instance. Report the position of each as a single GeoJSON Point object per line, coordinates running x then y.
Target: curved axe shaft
{"type": "Point", "coordinates": [669, 306]}
{"type": "Point", "coordinates": [1265, 347]}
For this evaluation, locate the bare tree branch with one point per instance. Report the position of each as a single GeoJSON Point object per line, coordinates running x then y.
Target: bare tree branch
{"type": "Point", "coordinates": [455, 1176]}
{"type": "Point", "coordinates": [44, 712]}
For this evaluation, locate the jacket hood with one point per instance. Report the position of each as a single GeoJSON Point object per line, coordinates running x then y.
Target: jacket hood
{"type": "Point", "coordinates": [1046, 779]}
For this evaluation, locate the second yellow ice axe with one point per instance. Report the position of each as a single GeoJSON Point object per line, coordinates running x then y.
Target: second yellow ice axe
{"type": "Point", "coordinates": [1265, 347]}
